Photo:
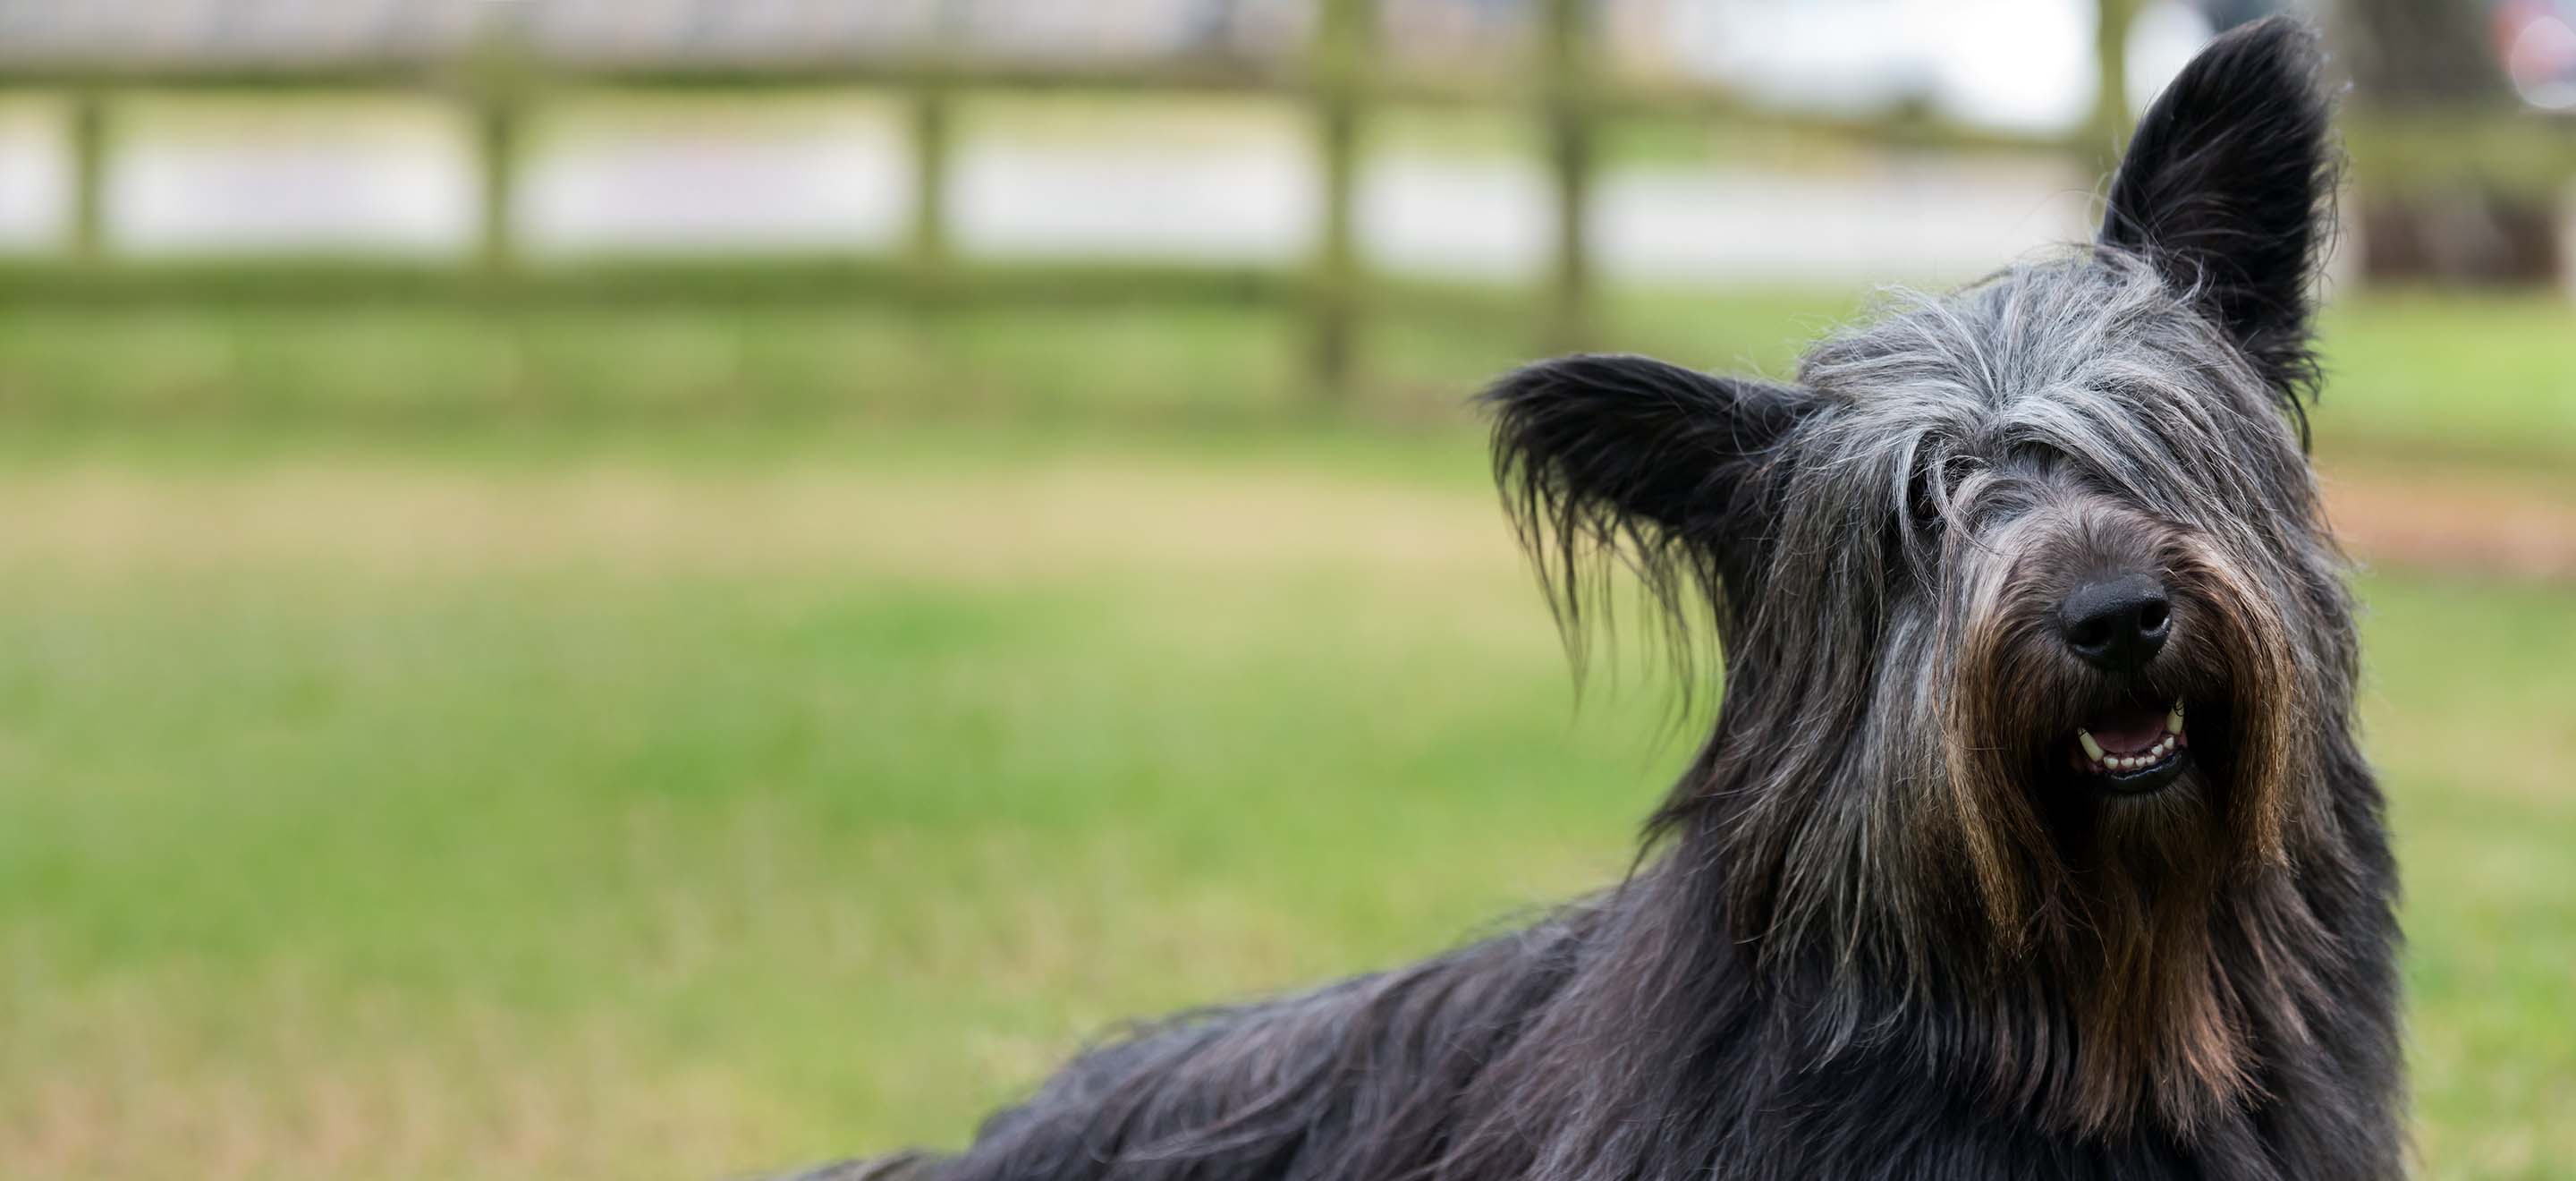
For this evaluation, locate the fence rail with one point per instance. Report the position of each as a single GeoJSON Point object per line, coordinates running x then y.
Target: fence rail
{"type": "Point", "coordinates": [1338, 80]}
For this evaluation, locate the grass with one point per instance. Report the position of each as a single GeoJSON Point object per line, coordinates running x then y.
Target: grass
{"type": "Point", "coordinates": [562, 741]}
{"type": "Point", "coordinates": [673, 808]}
{"type": "Point", "coordinates": [2444, 378]}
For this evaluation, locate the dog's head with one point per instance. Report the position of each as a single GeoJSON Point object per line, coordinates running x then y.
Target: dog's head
{"type": "Point", "coordinates": [2034, 638]}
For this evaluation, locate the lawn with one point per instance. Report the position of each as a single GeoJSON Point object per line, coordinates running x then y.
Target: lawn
{"type": "Point", "coordinates": [669, 741]}
{"type": "Point", "coordinates": [599, 805]}
{"type": "Point", "coordinates": [2447, 378]}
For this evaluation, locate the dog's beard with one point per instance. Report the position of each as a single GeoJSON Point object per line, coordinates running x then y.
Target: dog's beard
{"type": "Point", "coordinates": [2099, 898]}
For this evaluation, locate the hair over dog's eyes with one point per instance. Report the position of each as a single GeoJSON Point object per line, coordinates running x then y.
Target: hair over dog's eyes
{"type": "Point", "coordinates": [1935, 483]}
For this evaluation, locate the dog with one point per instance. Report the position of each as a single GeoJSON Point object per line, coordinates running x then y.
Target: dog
{"type": "Point", "coordinates": [2032, 839]}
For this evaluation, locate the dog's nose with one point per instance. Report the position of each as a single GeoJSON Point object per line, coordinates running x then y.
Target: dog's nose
{"type": "Point", "coordinates": [2117, 624]}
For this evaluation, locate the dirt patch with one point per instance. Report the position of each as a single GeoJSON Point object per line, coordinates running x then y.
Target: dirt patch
{"type": "Point", "coordinates": [1064, 517]}
{"type": "Point", "coordinates": [429, 522]}
{"type": "Point", "coordinates": [2448, 520]}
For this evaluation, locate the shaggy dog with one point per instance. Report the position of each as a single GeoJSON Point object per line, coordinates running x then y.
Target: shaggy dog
{"type": "Point", "coordinates": [2031, 841]}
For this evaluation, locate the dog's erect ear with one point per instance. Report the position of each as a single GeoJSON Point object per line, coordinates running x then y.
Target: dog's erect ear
{"type": "Point", "coordinates": [1608, 453]}
{"type": "Point", "coordinates": [2226, 185]}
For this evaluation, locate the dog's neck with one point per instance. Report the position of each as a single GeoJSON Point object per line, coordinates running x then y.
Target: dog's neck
{"type": "Point", "coordinates": [2155, 1005]}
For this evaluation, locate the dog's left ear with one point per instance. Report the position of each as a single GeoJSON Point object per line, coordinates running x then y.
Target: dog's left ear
{"type": "Point", "coordinates": [2226, 188]}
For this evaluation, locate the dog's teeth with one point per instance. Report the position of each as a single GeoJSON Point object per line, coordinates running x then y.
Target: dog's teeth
{"type": "Point", "coordinates": [2092, 749]}
{"type": "Point", "coordinates": [2173, 720]}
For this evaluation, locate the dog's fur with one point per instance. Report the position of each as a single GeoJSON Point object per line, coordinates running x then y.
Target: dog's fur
{"type": "Point", "coordinates": [1884, 929]}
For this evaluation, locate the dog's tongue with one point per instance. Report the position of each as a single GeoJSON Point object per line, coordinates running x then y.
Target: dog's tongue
{"type": "Point", "coordinates": [2128, 729]}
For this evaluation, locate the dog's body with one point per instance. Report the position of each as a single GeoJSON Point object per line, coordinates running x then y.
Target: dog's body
{"type": "Point", "coordinates": [1952, 891]}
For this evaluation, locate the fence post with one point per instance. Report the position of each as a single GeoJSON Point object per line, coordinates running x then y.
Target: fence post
{"type": "Point", "coordinates": [500, 86]}
{"type": "Point", "coordinates": [931, 135]}
{"type": "Point", "coordinates": [1340, 74]}
{"type": "Point", "coordinates": [498, 131]}
{"type": "Point", "coordinates": [89, 144]}
{"type": "Point", "coordinates": [1570, 113]}
{"type": "Point", "coordinates": [2110, 122]}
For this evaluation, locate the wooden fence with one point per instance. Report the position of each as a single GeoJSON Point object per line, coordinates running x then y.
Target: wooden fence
{"type": "Point", "coordinates": [1340, 79]}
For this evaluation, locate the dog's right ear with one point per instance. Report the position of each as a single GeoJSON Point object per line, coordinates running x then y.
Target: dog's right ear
{"type": "Point", "coordinates": [1617, 453]}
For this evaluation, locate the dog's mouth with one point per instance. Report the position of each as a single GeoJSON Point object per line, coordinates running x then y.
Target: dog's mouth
{"type": "Point", "coordinates": [2132, 748]}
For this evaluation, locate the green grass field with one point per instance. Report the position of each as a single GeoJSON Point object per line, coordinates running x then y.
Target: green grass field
{"type": "Point", "coordinates": [2451, 377]}
{"type": "Point", "coordinates": [651, 789]}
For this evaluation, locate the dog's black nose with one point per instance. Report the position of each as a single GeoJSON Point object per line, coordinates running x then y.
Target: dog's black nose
{"type": "Point", "coordinates": [2117, 624]}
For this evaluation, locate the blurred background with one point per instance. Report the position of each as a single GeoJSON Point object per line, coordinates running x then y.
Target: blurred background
{"type": "Point", "coordinates": [662, 588]}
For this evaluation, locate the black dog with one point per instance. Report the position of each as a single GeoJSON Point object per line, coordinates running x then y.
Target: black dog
{"type": "Point", "coordinates": [2032, 840]}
